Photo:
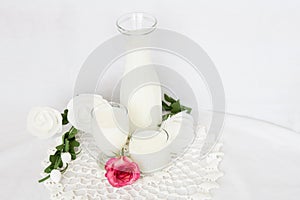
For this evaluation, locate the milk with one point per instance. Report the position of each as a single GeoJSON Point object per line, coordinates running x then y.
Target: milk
{"type": "Point", "coordinates": [141, 91]}
{"type": "Point", "coordinates": [151, 149]}
{"type": "Point", "coordinates": [109, 128]}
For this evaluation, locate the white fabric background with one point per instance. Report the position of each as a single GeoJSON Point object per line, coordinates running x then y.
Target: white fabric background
{"type": "Point", "coordinates": [254, 44]}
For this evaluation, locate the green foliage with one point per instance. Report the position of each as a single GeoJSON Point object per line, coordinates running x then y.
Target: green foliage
{"type": "Point", "coordinates": [65, 117]}
{"type": "Point", "coordinates": [172, 107]}
{"type": "Point", "coordinates": [68, 145]}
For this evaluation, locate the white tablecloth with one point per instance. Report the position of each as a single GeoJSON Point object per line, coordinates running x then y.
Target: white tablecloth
{"type": "Point", "coordinates": [261, 162]}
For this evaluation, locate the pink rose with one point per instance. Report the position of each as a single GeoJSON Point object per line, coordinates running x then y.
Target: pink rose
{"type": "Point", "coordinates": [121, 171]}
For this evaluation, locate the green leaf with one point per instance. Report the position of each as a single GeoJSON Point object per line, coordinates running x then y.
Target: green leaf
{"type": "Point", "coordinates": [73, 156]}
{"type": "Point", "coordinates": [52, 158]}
{"type": "Point", "coordinates": [189, 110]}
{"type": "Point", "coordinates": [67, 145]}
{"type": "Point", "coordinates": [57, 162]}
{"type": "Point", "coordinates": [60, 164]}
{"type": "Point", "coordinates": [60, 147]}
{"type": "Point", "coordinates": [49, 168]}
{"type": "Point", "coordinates": [165, 106]}
{"type": "Point", "coordinates": [65, 117]}
{"type": "Point", "coordinates": [43, 179]}
{"type": "Point", "coordinates": [74, 143]}
{"type": "Point", "coordinates": [176, 108]}
{"type": "Point", "coordinates": [169, 99]}
{"type": "Point", "coordinates": [63, 137]}
{"type": "Point", "coordinates": [72, 133]}
{"type": "Point", "coordinates": [166, 116]}
{"type": "Point", "coordinates": [72, 149]}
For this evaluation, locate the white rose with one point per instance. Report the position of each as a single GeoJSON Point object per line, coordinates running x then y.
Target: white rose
{"type": "Point", "coordinates": [80, 108]}
{"type": "Point", "coordinates": [44, 122]}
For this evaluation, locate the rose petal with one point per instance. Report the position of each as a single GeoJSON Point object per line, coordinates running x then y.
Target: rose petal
{"type": "Point", "coordinates": [110, 162]}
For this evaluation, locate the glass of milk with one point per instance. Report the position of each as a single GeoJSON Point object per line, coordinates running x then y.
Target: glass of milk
{"type": "Point", "coordinates": [110, 127]}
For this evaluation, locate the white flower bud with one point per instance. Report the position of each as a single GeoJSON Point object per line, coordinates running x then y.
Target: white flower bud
{"type": "Point", "coordinates": [66, 157]}
{"type": "Point", "coordinates": [55, 175]}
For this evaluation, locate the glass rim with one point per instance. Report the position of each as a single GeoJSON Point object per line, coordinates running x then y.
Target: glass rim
{"type": "Point", "coordinates": [112, 104]}
{"type": "Point", "coordinates": [143, 30]}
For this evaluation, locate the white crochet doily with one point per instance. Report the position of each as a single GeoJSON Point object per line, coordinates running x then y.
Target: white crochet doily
{"type": "Point", "coordinates": [188, 177]}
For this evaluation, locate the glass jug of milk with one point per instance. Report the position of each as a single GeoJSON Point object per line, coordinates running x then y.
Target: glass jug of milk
{"type": "Point", "coordinates": [140, 89]}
